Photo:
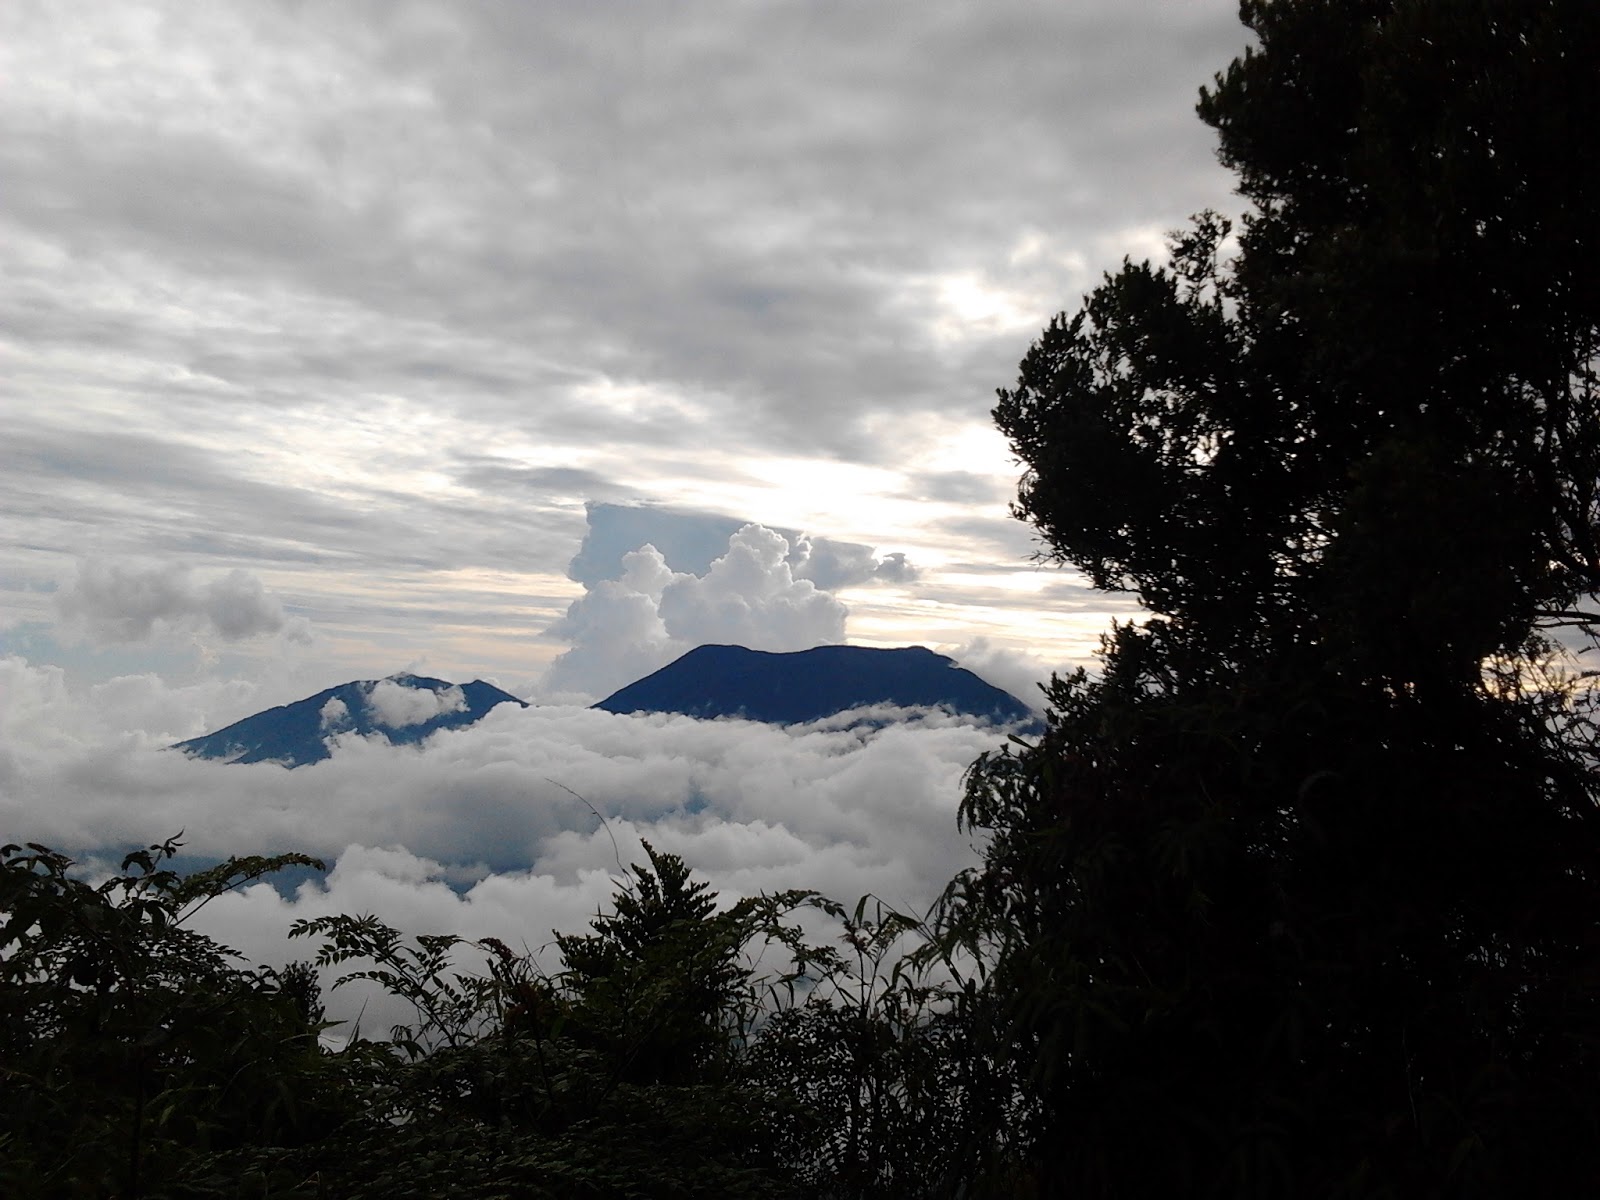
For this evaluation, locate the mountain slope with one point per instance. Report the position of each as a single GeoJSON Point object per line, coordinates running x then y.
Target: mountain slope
{"type": "Point", "coordinates": [807, 685]}
{"type": "Point", "coordinates": [402, 708]}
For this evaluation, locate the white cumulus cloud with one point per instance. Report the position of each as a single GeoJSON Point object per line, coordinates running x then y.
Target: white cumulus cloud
{"type": "Point", "coordinates": [335, 715]}
{"type": "Point", "coordinates": [1015, 671]}
{"type": "Point", "coordinates": [398, 704]}
{"type": "Point", "coordinates": [625, 628]}
{"type": "Point", "coordinates": [834, 564]}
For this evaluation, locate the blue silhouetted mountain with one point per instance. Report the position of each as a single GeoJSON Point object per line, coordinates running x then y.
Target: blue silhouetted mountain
{"type": "Point", "coordinates": [402, 708]}
{"type": "Point", "coordinates": [808, 685]}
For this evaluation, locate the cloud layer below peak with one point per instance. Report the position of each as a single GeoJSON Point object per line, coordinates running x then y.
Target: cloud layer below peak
{"type": "Point", "coordinates": [525, 813]}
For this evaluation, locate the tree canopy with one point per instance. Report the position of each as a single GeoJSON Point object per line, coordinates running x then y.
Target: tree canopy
{"type": "Point", "coordinates": [1300, 895]}
{"type": "Point", "coordinates": [681, 1048]}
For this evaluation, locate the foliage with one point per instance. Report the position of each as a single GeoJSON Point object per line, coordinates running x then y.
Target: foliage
{"type": "Point", "coordinates": [612, 1077]}
{"type": "Point", "coordinates": [894, 1095]}
{"type": "Point", "coordinates": [658, 985]}
{"type": "Point", "coordinates": [682, 1049]}
{"type": "Point", "coordinates": [1300, 895]}
{"type": "Point", "coordinates": [129, 1043]}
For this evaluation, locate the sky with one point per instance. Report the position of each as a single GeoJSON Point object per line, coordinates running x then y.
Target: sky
{"type": "Point", "coordinates": [539, 343]}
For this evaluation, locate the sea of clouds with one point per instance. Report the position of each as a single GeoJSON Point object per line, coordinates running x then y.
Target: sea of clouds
{"type": "Point", "coordinates": [515, 827]}
{"type": "Point", "coordinates": [521, 824]}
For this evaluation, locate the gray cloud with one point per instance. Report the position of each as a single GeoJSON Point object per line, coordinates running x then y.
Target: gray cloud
{"type": "Point", "coordinates": [130, 602]}
{"type": "Point", "coordinates": [691, 542]}
{"type": "Point", "coordinates": [497, 475]}
{"type": "Point", "coordinates": [238, 607]}
{"type": "Point", "coordinates": [1015, 542]}
{"type": "Point", "coordinates": [168, 488]}
{"type": "Point", "coordinates": [834, 564]}
{"type": "Point", "coordinates": [690, 196]}
{"type": "Point", "coordinates": [372, 298]}
{"type": "Point", "coordinates": [959, 487]}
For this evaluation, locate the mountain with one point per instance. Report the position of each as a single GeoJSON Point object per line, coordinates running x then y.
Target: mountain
{"type": "Point", "coordinates": [807, 685]}
{"type": "Point", "coordinates": [403, 708]}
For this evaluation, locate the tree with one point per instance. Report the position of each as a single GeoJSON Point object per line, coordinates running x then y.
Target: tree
{"type": "Point", "coordinates": [615, 1076]}
{"type": "Point", "coordinates": [1301, 894]}
{"type": "Point", "coordinates": [131, 1047]}
{"type": "Point", "coordinates": [658, 983]}
{"type": "Point", "coordinates": [892, 1095]}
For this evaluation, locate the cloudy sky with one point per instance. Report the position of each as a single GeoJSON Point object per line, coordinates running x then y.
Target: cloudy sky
{"type": "Point", "coordinates": [341, 338]}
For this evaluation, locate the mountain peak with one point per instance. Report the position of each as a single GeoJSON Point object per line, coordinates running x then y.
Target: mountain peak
{"type": "Point", "coordinates": [795, 687]}
{"type": "Point", "coordinates": [402, 708]}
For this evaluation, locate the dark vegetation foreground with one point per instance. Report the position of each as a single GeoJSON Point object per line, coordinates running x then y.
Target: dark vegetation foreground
{"type": "Point", "coordinates": [1298, 896]}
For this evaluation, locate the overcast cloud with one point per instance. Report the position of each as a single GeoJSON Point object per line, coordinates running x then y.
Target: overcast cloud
{"type": "Point", "coordinates": [537, 343]}
{"type": "Point", "coordinates": [371, 299]}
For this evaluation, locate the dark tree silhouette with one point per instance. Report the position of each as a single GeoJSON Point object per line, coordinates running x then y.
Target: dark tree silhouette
{"type": "Point", "coordinates": [129, 1044]}
{"type": "Point", "coordinates": [1301, 894]}
{"type": "Point", "coordinates": [658, 982]}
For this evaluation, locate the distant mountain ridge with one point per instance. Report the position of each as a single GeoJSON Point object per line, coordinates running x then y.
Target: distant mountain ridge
{"type": "Point", "coordinates": [808, 685]}
{"type": "Point", "coordinates": [402, 708]}
{"type": "Point", "coordinates": [709, 681]}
